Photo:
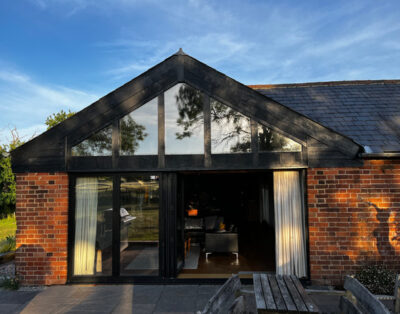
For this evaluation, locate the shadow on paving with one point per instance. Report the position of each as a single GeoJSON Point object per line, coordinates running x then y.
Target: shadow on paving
{"type": "Point", "coordinates": [15, 301]}
{"type": "Point", "coordinates": [109, 299]}
{"type": "Point", "coordinates": [138, 299]}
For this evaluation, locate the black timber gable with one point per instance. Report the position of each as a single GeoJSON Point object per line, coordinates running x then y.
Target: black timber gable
{"type": "Point", "coordinates": [51, 150]}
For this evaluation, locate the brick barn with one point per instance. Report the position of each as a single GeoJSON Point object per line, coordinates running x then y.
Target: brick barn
{"type": "Point", "coordinates": [186, 175]}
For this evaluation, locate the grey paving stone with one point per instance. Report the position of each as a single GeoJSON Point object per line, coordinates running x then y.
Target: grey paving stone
{"type": "Point", "coordinates": [145, 299]}
{"type": "Point", "coordinates": [146, 289]}
{"type": "Point", "coordinates": [176, 304]}
{"type": "Point", "coordinates": [11, 308]}
{"type": "Point", "coordinates": [42, 308]}
{"type": "Point", "coordinates": [326, 303]}
{"type": "Point", "coordinates": [16, 297]}
{"type": "Point", "coordinates": [208, 289]}
{"type": "Point", "coordinates": [54, 300]}
{"type": "Point", "coordinates": [180, 290]}
{"type": "Point", "coordinates": [142, 308]}
{"type": "Point", "coordinates": [201, 301]}
{"type": "Point", "coordinates": [169, 312]}
{"type": "Point", "coordinates": [98, 307]}
{"type": "Point", "coordinates": [147, 294]}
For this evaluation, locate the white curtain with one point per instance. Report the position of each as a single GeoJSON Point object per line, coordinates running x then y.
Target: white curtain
{"type": "Point", "coordinates": [85, 225]}
{"type": "Point", "coordinates": [289, 224]}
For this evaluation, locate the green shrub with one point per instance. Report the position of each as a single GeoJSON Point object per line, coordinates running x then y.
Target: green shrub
{"type": "Point", "coordinates": [377, 279]}
{"type": "Point", "coordinates": [10, 244]}
{"type": "Point", "coordinates": [9, 283]}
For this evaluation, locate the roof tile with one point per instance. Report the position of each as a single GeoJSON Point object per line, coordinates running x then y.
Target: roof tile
{"type": "Point", "coordinates": [359, 109]}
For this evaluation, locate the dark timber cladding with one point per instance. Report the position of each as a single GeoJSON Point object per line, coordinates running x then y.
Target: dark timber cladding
{"type": "Point", "coordinates": [51, 150]}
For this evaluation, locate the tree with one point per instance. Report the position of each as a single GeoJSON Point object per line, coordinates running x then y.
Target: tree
{"type": "Point", "coordinates": [58, 117]}
{"type": "Point", "coordinates": [7, 178]}
{"type": "Point", "coordinates": [132, 133]}
{"type": "Point", "coordinates": [235, 126]}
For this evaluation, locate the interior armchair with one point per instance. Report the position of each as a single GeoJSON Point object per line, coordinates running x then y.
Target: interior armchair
{"type": "Point", "coordinates": [218, 239]}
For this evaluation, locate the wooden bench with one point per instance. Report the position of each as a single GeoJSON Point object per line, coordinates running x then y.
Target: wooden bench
{"type": "Point", "coordinates": [281, 293]}
{"type": "Point", "coordinates": [230, 299]}
{"type": "Point", "coordinates": [358, 299]}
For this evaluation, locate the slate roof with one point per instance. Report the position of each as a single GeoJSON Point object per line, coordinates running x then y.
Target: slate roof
{"type": "Point", "coordinates": [366, 111]}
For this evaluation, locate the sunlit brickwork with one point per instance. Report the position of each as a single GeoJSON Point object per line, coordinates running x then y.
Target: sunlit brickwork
{"type": "Point", "coordinates": [354, 219]}
{"type": "Point", "coordinates": [42, 228]}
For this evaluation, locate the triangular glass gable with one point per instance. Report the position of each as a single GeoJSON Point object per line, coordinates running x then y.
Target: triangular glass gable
{"type": "Point", "coordinates": [184, 120]}
{"type": "Point", "coordinates": [230, 130]}
{"type": "Point", "coordinates": [184, 129]}
{"type": "Point", "coordinates": [272, 141]}
{"type": "Point", "coordinates": [139, 130]}
{"type": "Point", "coordinates": [99, 144]}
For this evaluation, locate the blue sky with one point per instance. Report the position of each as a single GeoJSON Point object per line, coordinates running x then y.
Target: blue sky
{"type": "Point", "coordinates": [65, 54]}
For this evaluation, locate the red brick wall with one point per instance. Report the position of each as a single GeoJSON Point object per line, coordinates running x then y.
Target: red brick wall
{"type": "Point", "coordinates": [354, 218]}
{"type": "Point", "coordinates": [42, 226]}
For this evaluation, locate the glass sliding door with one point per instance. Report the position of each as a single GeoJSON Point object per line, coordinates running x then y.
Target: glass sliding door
{"type": "Point", "coordinates": [139, 230]}
{"type": "Point", "coordinates": [93, 226]}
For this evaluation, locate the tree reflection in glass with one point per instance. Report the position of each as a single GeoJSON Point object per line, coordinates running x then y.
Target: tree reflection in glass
{"type": "Point", "coordinates": [230, 130]}
{"type": "Point", "coordinates": [269, 140]}
{"type": "Point", "coordinates": [184, 120]}
{"type": "Point", "coordinates": [139, 131]}
{"type": "Point", "coordinates": [99, 144]}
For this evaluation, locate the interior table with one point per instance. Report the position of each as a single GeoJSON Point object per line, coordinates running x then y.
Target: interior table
{"type": "Point", "coordinates": [281, 293]}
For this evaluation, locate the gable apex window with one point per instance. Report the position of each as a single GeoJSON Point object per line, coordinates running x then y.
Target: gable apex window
{"type": "Point", "coordinates": [272, 141]}
{"type": "Point", "coordinates": [230, 130]}
{"type": "Point", "coordinates": [139, 130]}
{"type": "Point", "coordinates": [184, 120]}
{"type": "Point", "coordinates": [99, 144]}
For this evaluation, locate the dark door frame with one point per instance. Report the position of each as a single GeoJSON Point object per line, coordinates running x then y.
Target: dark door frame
{"type": "Point", "coordinates": [169, 202]}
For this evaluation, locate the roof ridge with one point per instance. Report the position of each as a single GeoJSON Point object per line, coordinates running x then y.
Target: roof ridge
{"type": "Point", "coordinates": [328, 83]}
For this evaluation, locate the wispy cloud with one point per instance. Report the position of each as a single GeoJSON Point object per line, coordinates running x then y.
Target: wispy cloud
{"type": "Point", "coordinates": [253, 42]}
{"type": "Point", "coordinates": [212, 48]}
{"type": "Point", "coordinates": [25, 103]}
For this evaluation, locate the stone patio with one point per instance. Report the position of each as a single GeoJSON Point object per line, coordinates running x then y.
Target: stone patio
{"type": "Point", "coordinates": [136, 299]}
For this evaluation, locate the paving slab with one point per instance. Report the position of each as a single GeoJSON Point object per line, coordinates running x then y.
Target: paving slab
{"type": "Point", "coordinates": [16, 297]}
{"type": "Point", "coordinates": [176, 304]}
{"type": "Point", "coordinates": [181, 290]}
{"type": "Point", "coordinates": [11, 308]}
{"type": "Point", "coordinates": [326, 303]}
{"type": "Point", "coordinates": [108, 299]}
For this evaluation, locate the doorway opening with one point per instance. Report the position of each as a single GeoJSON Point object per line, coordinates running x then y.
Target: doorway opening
{"type": "Point", "coordinates": [227, 224]}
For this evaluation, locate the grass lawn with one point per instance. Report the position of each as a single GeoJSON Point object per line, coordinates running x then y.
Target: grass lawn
{"type": "Point", "coordinates": [8, 226]}
{"type": "Point", "coordinates": [145, 226]}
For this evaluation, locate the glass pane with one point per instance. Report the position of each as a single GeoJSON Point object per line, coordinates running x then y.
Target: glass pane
{"type": "Point", "coordinates": [139, 131]}
{"type": "Point", "coordinates": [99, 144]}
{"type": "Point", "coordinates": [93, 226]}
{"type": "Point", "coordinates": [184, 130]}
{"type": "Point", "coordinates": [140, 203]}
{"type": "Point", "coordinates": [230, 130]}
{"type": "Point", "coordinates": [269, 140]}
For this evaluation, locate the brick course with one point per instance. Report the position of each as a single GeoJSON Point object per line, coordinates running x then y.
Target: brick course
{"type": "Point", "coordinates": [353, 216]}
{"type": "Point", "coordinates": [354, 219]}
{"type": "Point", "coordinates": [42, 228]}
